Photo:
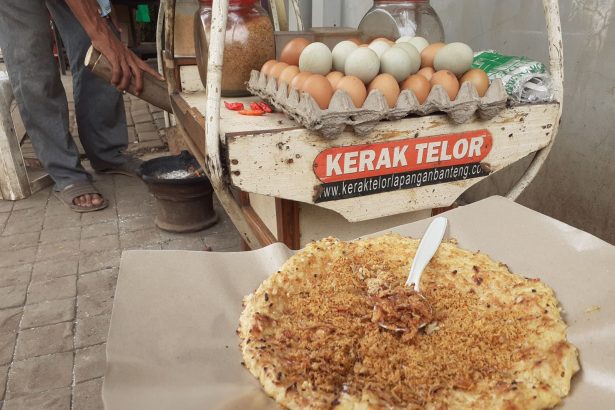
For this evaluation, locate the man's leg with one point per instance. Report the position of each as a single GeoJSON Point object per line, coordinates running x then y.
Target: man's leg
{"type": "Point", "coordinates": [99, 107]}
{"type": "Point", "coordinates": [26, 45]}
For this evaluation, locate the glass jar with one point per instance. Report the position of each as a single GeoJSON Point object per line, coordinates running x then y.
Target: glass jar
{"type": "Point", "coordinates": [249, 43]}
{"type": "Point", "coordinates": [394, 19]}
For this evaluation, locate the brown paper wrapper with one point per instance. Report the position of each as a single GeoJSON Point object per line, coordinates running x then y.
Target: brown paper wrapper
{"type": "Point", "coordinates": [172, 341]}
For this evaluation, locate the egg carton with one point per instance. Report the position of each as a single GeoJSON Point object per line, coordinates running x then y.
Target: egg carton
{"type": "Point", "coordinates": [331, 122]}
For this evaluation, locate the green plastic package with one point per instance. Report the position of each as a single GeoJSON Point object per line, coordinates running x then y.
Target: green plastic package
{"type": "Point", "coordinates": [142, 15]}
{"type": "Point", "coordinates": [525, 80]}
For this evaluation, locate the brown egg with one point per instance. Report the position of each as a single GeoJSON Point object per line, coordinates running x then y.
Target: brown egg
{"type": "Point", "coordinates": [267, 66]}
{"type": "Point", "coordinates": [292, 51]}
{"type": "Point", "coordinates": [363, 45]}
{"type": "Point", "coordinates": [429, 53]}
{"type": "Point", "coordinates": [277, 69]}
{"type": "Point", "coordinates": [448, 81]}
{"type": "Point", "coordinates": [477, 77]}
{"type": "Point", "coordinates": [356, 40]}
{"type": "Point", "coordinates": [334, 77]}
{"type": "Point", "coordinates": [287, 75]}
{"type": "Point", "coordinates": [387, 84]}
{"type": "Point", "coordinates": [418, 85]}
{"type": "Point", "coordinates": [355, 89]}
{"type": "Point", "coordinates": [320, 89]}
{"type": "Point", "coordinates": [426, 72]}
{"type": "Point", "coordinates": [299, 80]}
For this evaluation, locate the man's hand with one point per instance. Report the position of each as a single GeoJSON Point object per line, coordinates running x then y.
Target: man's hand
{"type": "Point", "coordinates": [124, 62]}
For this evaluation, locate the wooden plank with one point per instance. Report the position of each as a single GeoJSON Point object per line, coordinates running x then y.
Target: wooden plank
{"type": "Point", "coordinates": [190, 79]}
{"type": "Point", "coordinates": [287, 216]}
{"type": "Point", "coordinates": [191, 121]}
{"type": "Point", "coordinates": [287, 157]}
{"type": "Point", "coordinates": [231, 123]}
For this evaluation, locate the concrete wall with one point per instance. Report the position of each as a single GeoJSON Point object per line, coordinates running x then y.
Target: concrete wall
{"type": "Point", "coordinates": [577, 183]}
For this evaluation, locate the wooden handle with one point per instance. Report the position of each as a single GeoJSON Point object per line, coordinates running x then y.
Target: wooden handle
{"type": "Point", "coordinates": [154, 90]}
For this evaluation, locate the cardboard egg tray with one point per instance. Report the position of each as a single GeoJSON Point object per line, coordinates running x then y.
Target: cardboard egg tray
{"type": "Point", "coordinates": [331, 122]}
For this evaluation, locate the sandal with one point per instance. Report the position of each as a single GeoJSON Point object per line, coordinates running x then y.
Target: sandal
{"type": "Point", "coordinates": [129, 168]}
{"type": "Point", "coordinates": [68, 195]}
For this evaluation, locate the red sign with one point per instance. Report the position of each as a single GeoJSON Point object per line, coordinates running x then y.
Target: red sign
{"type": "Point", "coordinates": [402, 156]}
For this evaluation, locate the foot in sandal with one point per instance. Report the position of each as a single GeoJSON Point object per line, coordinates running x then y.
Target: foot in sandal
{"type": "Point", "coordinates": [82, 197]}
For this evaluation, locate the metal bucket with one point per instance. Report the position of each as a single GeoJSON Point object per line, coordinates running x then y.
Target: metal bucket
{"type": "Point", "coordinates": [184, 201]}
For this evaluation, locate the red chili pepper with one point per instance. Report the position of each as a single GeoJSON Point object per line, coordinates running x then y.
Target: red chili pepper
{"type": "Point", "coordinates": [255, 113]}
{"type": "Point", "coordinates": [255, 107]}
{"type": "Point", "coordinates": [263, 106]}
{"type": "Point", "coordinates": [233, 106]}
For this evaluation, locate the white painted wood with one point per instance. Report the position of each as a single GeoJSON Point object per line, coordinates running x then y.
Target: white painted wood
{"type": "Point", "coordinates": [280, 163]}
{"type": "Point", "coordinates": [231, 122]}
{"type": "Point", "coordinates": [190, 79]}
{"type": "Point", "coordinates": [556, 67]}
{"type": "Point", "coordinates": [264, 206]}
{"type": "Point", "coordinates": [213, 162]}
{"type": "Point", "coordinates": [14, 182]}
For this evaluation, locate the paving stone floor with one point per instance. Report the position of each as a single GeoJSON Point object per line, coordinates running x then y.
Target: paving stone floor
{"type": "Point", "coordinates": [58, 271]}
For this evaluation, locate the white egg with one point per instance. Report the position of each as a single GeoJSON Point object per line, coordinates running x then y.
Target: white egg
{"type": "Point", "coordinates": [363, 63]}
{"type": "Point", "coordinates": [454, 57]}
{"type": "Point", "coordinates": [404, 39]}
{"type": "Point", "coordinates": [415, 56]}
{"type": "Point", "coordinates": [419, 42]}
{"type": "Point", "coordinates": [379, 47]}
{"type": "Point", "coordinates": [316, 58]}
{"type": "Point", "coordinates": [341, 52]}
{"type": "Point", "coordinates": [396, 61]}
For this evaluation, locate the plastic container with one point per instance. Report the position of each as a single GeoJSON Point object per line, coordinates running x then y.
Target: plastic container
{"type": "Point", "coordinates": [395, 19]}
{"type": "Point", "coordinates": [249, 43]}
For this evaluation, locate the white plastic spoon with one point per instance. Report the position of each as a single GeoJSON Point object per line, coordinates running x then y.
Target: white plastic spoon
{"type": "Point", "coordinates": [427, 248]}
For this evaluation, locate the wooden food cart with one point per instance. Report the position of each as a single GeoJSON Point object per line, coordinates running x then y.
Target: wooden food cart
{"type": "Point", "coordinates": [281, 182]}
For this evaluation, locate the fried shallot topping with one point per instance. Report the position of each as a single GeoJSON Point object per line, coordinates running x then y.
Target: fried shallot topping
{"type": "Point", "coordinates": [401, 309]}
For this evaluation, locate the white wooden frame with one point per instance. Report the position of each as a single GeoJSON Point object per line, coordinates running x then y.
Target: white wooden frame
{"type": "Point", "coordinates": [211, 111]}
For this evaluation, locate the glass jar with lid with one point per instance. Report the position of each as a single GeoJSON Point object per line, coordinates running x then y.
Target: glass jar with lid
{"type": "Point", "coordinates": [249, 43]}
{"type": "Point", "coordinates": [393, 19]}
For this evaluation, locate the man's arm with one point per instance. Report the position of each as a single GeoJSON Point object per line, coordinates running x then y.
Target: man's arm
{"type": "Point", "coordinates": [124, 62]}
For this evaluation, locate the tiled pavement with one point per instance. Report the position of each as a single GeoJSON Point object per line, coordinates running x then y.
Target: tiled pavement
{"type": "Point", "coordinates": [58, 271]}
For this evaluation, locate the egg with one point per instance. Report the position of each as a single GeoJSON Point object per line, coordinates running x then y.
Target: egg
{"type": "Point", "coordinates": [267, 66]}
{"type": "Point", "coordinates": [388, 86]}
{"type": "Point", "coordinates": [448, 81]}
{"type": "Point", "coordinates": [415, 56]}
{"type": "Point", "coordinates": [316, 58]}
{"type": "Point", "coordinates": [454, 57]}
{"type": "Point", "coordinates": [404, 39]}
{"type": "Point", "coordinates": [341, 52]}
{"type": "Point", "coordinates": [426, 72]}
{"type": "Point", "coordinates": [397, 62]}
{"type": "Point", "coordinates": [429, 53]}
{"type": "Point", "coordinates": [277, 69]}
{"type": "Point", "coordinates": [379, 47]}
{"type": "Point", "coordinates": [386, 40]}
{"type": "Point", "coordinates": [478, 78]}
{"type": "Point", "coordinates": [299, 80]}
{"type": "Point", "coordinates": [334, 77]}
{"type": "Point", "coordinates": [320, 89]}
{"type": "Point", "coordinates": [363, 63]}
{"type": "Point", "coordinates": [287, 75]}
{"type": "Point", "coordinates": [419, 85]}
{"type": "Point", "coordinates": [354, 87]}
{"type": "Point", "coordinates": [419, 42]}
{"type": "Point", "coordinates": [292, 51]}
